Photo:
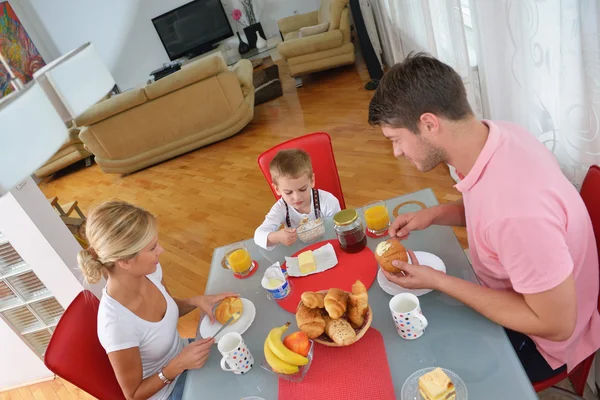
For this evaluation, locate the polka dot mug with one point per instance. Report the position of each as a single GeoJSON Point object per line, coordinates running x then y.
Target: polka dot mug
{"type": "Point", "coordinates": [236, 356]}
{"type": "Point", "coordinates": [408, 318]}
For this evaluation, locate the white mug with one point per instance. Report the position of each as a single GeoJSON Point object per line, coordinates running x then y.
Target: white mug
{"type": "Point", "coordinates": [408, 317]}
{"type": "Point", "coordinates": [235, 354]}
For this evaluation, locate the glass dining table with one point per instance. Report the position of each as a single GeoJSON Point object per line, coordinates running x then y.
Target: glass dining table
{"type": "Point", "coordinates": [457, 338]}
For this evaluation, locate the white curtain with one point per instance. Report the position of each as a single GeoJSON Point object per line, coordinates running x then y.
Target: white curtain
{"type": "Point", "coordinates": [539, 66]}
{"type": "Point", "coordinates": [432, 26]}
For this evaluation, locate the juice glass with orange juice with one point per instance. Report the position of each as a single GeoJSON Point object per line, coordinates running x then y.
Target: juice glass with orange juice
{"type": "Point", "coordinates": [238, 260]}
{"type": "Point", "coordinates": [377, 217]}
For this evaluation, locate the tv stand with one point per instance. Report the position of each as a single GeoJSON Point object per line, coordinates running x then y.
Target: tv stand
{"type": "Point", "coordinates": [202, 50]}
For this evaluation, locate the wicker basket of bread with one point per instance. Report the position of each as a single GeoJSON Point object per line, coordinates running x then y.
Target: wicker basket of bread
{"type": "Point", "coordinates": [335, 317]}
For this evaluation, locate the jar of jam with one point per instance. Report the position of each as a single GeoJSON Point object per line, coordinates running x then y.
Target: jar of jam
{"type": "Point", "coordinates": [350, 231]}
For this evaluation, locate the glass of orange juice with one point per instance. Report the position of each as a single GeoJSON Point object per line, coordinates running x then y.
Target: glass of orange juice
{"type": "Point", "coordinates": [377, 217]}
{"type": "Point", "coordinates": [238, 260]}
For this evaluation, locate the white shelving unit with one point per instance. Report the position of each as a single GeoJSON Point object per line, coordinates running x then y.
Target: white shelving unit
{"type": "Point", "coordinates": [38, 280]}
{"type": "Point", "coordinates": [26, 305]}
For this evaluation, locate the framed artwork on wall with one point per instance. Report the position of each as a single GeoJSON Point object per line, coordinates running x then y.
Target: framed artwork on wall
{"type": "Point", "coordinates": [17, 48]}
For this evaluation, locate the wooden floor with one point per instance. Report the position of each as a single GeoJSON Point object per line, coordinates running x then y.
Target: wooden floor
{"type": "Point", "coordinates": [216, 195]}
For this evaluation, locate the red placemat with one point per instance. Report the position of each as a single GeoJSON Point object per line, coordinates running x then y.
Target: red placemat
{"type": "Point", "coordinates": [350, 267]}
{"type": "Point", "coordinates": [355, 372]}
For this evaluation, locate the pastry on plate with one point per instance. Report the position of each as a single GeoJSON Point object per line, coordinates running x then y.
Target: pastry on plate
{"type": "Point", "coordinates": [310, 321]}
{"type": "Point", "coordinates": [313, 299]}
{"type": "Point", "coordinates": [336, 302]}
{"type": "Point", "coordinates": [388, 251]}
{"type": "Point", "coordinates": [227, 308]}
{"type": "Point", "coordinates": [436, 385]}
{"type": "Point", "coordinates": [358, 304]}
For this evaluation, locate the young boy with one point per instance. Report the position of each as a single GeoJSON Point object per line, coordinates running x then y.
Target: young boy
{"type": "Point", "coordinates": [294, 180]}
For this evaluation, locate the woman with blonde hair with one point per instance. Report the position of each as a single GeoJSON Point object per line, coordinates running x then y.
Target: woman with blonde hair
{"type": "Point", "coordinates": [137, 318]}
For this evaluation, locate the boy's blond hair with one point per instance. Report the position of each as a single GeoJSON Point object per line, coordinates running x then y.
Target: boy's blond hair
{"type": "Point", "coordinates": [291, 163]}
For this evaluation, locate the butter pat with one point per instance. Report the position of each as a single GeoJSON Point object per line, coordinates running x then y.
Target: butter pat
{"type": "Point", "coordinates": [306, 262]}
{"type": "Point", "coordinates": [382, 248]}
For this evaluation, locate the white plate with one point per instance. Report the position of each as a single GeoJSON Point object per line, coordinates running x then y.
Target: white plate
{"type": "Point", "coordinates": [410, 389]}
{"type": "Point", "coordinates": [424, 258]}
{"type": "Point", "coordinates": [240, 326]}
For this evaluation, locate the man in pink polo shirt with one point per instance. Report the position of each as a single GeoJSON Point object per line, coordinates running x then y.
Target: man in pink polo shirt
{"type": "Point", "coordinates": [530, 237]}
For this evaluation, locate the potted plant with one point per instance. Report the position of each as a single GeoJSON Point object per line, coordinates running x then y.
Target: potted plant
{"type": "Point", "coordinates": [243, 47]}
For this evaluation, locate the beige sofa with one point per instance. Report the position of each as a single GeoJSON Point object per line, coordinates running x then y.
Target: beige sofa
{"type": "Point", "coordinates": [72, 151]}
{"type": "Point", "coordinates": [202, 103]}
{"type": "Point", "coordinates": [322, 51]}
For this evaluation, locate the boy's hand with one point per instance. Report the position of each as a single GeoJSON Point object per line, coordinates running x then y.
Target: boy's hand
{"type": "Point", "coordinates": [287, 236]}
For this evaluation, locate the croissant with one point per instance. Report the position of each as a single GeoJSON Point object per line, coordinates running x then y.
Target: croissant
{"type": "Point", "coordinates": [313, 300]}
{"type": "Point", "coordinates": [340, 331]}
{"type": "Point", "coordinates": [358, 304]}
{"type": "Point", "coordinates": [336, 302]}
{"type": "Point", "coordinates": [310, 321]}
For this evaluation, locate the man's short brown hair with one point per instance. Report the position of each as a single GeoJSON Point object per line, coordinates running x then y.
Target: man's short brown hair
{"type": "Point", "coordinates": [291, 163]}
{"type": "Point", "coordinates": [420, 84]}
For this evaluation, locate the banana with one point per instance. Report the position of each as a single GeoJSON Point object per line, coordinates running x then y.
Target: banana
{"type": "Point", "coordinates": [282, 352]}
{"type": "Point", "coordinates": [277, 364]}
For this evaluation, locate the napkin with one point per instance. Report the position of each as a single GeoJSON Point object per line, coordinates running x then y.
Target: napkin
{"type": "Point", "coordinates": [325, 259]}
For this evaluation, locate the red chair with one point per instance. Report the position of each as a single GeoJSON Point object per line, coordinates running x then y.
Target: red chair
{"type": "Point", "coordinates": [318, 146]}
{"type": "Point", "coordinates": [590, 193]}
{"type": "Point", "coordinates": [75, 353]}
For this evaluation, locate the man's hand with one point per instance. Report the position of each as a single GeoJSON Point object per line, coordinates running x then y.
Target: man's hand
{"type": "Point", "coordinates": [414, 276]}
{"type": "Point", "coordinates": [412, 221]}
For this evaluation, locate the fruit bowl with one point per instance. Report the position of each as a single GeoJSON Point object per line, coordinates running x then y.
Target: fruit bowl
{"type": "Point", "coordinates": [360, 332]}
{"type": "Point", "coordinates": [298, 376]}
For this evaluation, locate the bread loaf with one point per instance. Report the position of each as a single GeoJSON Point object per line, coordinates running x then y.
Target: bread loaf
{"type": "Point", "coordinates": [388, 251]}
{"type": "Point", "coordinates": [336, 302]}
{"type": "Point", "coordinates": [227, 308]}
{"type": "Point", "coordinates": [358, 304]}
{"type": "Point", "coordinates": [310, 321]}
{"type": "Point", "coordinates": [313, 300]}
{"type": "Point", "coordinates": [340, 331]}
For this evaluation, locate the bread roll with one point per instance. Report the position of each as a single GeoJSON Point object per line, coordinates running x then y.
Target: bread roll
{"type": "Point", "coordinates": [336, 302]}
{"type": "Point", "coordinates": [388, 251]}
{"type": "Point", "coordinates": [313, 300]}
{"type": "Point", "coordinates": [358, 304]}
{"type": "Point", "coordinates": [310, 321]}
{"type": "Point", "coordinates": [340, 331]}
{"type": "Point", "coordinates": [227, 308]}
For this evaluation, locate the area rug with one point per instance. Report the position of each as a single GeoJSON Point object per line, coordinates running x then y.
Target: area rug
{"type": "Point", "coordinates": [267, 84]}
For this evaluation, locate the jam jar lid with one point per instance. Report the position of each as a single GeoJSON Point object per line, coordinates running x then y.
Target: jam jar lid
{"type": "Point", "coordinates": [345, 217]}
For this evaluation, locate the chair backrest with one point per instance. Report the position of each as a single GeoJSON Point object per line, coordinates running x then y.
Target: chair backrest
{"type": "Point", "coordinates": [75, 353]}
{"type": "Point", "coordinates": [318, 146]}
{"type": "Point", "coordinates": [590, 193]}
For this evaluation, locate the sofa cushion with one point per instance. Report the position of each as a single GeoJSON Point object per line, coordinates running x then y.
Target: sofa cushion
{"type": "Point", "coordinates": [291, 36]}
{"type": "Point", "coordinates": [324, 12]}
{"type": "Point", "coordinates": [313, 30]}
{"type": "Point", "coordinates": [112, 106]}
{"type": "Point", "coordinates": [335, 13]}
{"type": "Point", "coordinates": [188, 74]}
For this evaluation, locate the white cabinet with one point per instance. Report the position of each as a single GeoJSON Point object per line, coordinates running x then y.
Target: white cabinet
{"type": "Point", "coordinates": [38, 280]}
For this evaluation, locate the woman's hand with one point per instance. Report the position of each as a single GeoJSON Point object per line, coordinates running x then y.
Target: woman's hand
{"type": "Point", "coordinates": [414, 276]}
{"type": "Point", "coordinates": [207, 302]}
{"type": "Point", "coordinates": [193, 356]}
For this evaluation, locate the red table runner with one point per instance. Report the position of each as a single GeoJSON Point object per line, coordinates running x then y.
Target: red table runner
{"type": "Point", "coordinates": [355, 372]}
{"type": "Point", "coordinates": [350, 267]}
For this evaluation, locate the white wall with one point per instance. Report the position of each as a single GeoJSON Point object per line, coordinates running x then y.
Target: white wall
{"type": "Point", "coordinates": [122, 30]}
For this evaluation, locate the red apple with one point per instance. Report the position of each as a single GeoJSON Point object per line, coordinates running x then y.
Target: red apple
{"type": "Point", "coordinates": [298, 343]}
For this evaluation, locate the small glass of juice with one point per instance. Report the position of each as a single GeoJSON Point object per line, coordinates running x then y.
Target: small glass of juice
{"type": "Point", "coordinates": [238, 260]}
{"type": "Point", "coordinates": [377, 217]}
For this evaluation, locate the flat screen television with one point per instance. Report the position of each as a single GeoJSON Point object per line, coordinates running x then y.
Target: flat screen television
{"type": "Point", "coordinates": [193, 28]}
